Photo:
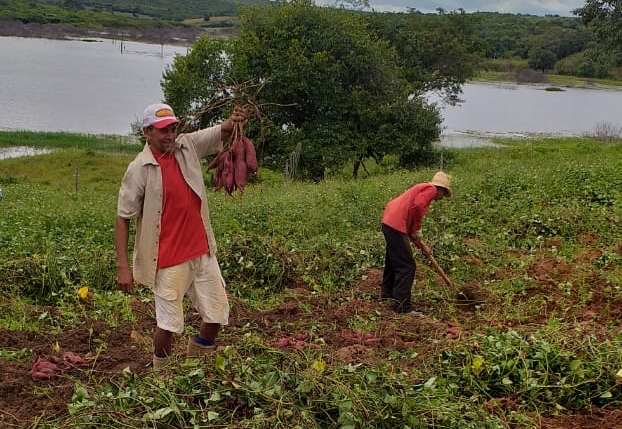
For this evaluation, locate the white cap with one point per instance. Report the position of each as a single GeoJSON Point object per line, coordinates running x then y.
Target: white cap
{"type": "Point", "coordinates": [159, 115]}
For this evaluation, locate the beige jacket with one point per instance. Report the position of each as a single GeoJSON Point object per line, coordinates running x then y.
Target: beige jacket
{"type": "Point", "coordinates": [140, 196]}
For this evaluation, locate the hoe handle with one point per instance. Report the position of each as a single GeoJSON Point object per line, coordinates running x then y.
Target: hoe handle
{"type": "Point", "coordinates": [437, 266]}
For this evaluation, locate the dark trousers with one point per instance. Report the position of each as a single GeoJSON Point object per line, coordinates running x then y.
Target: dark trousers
{"type": "Point", "coordinates": [399, 270]}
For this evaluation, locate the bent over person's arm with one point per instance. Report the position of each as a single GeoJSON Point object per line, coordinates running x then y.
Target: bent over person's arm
{"type": "Point", "coordinates": [125, 279]}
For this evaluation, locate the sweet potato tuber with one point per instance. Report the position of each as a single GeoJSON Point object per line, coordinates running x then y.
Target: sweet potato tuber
{"type": "Point", "coordinates": [216, 161]}
{"type": "Point", "coordinates": [251, 155]}
{"type": "Point", "coordinates": [234, 164]}
{"type": "Point", "coordinates": [240, 174]}
{"type": "Point", "coordinates": [228, 173]}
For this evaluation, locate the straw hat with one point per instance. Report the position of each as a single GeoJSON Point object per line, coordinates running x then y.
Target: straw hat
{"type": "Point", "coordinates": [443, 180]}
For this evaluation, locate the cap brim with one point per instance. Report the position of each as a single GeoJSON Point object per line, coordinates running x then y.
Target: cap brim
{"type": "Point", "coordinates": [165, 123]}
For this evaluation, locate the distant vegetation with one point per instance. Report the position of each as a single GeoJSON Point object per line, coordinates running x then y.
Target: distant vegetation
{"type": "Point", "coordinates": [180, 16]}
{"type": "Point", "coordinates": [43, 13]}
{"type": "Point", "coordinates": [506, 42]}
{"type": "Point", "coordinates": [154, 9]}
{"type": "Point", "coordinates": [152, 22]}
{"type": "Point", "coordinates": [563, 45]}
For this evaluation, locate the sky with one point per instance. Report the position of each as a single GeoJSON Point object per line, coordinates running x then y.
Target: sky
{"type": "Point", "coordinates": [531, 7]}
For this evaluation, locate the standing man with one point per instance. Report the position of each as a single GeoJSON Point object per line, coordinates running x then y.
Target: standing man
{"type": "Point", "coordinates": [401, 225]}
{"type": "Point", "coordinates": [174, 249]}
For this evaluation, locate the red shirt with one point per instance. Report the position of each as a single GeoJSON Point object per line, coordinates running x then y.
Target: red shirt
{"type": "Point", "coordinates": [405, 212]}
{"type": "Point", "coordinates": [182, 235]}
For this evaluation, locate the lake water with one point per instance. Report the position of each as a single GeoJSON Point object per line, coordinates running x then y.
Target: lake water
{"type": "Point", "coordinates": [91, 87]}
{"type": "Point", "coordinates": [79, 86]}
{"type": "Point", "coordinates": [518, 109]}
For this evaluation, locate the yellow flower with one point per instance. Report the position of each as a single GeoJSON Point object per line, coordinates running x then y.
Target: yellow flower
{"type": "Point", "coordinates": [319, 365]}
{"type": "Point", "coordinates": [476, 366]}
{"type": "Point", "coordinates": [83, 292]}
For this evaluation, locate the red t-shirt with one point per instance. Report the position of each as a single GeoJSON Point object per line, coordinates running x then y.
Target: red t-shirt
{"type": "Point", "coordinates": [182, 233]}
{"type": "Point", "coordinates": [405, 213]}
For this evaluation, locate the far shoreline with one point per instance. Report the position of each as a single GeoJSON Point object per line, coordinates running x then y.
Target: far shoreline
{"type": "Point", "coordinates": [569, 82]}
{"type": "Point", "coordinates": [177, 35]}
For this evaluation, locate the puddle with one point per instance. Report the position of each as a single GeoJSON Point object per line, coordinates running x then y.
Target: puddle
{"type": "Point", "coordinates": [19, 151]}
{"type": "Point", "coordinates": [457, 139]}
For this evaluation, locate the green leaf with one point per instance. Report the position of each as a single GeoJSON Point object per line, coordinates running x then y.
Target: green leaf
{"type": "Point", "coordinates": [390, 399]}
{"type": "Point", "coordinates": [371, 376]}
{"type": "Point", "coordinates": [345, 405]}
{"type": "Point", "coordinates": [219, 362]}
{"type": "Point", "coordinates": [160, 413]}
{"type": "Point", "coordinates": [80, 392]}
{"type": "Point", "coordinates": [575, 364]}
{"type": "Point", "coordinates": [305, 386]}
{"type": "Point", "coordinates": [430, 384]}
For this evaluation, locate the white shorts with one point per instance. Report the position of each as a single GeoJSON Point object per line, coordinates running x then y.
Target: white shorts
{"type": "Point", "coordinates": [201, 279]}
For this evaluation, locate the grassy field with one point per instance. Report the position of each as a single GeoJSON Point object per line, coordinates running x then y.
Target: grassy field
{"type": "Point", "coordinates": [552, 79]}
{"type": "Point", "coordinates": [507, 70]}
{"type": "Point", "coordinates": [534, 228]}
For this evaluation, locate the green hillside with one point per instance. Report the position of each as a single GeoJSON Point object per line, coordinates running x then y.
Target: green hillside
{"type": "Point", "coordinates": [121, 13]}
{"type": "Point", "coordinates": [151, 22]}
{"type": "Point", "coordinates": [167, 10]}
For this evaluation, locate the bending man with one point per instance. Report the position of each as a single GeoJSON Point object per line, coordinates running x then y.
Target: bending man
{"type": "Point", "coordinates": [401, 225]}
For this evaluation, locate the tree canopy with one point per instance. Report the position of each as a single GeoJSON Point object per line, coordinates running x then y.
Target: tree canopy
{"type": "Point", "coordinates": [334, 82]}
{"type": "Point", "coordinates": [504, 35]}
{"type": "Point", "coordinates": [605, 18]}
{"type": "Point", "coordinates": [196, 84]}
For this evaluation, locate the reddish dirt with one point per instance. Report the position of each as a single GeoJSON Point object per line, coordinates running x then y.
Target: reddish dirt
{"type": "Point", "coordinates": [23, 398]}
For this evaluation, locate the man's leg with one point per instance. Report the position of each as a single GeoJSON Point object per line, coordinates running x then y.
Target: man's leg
{"type": "Point", "coordinates": [388, 275]}
{"type": "Point", "coordinates": [209, 298]}
{"type": "Point", "coordinates": [169, 289]}
{"type": "Point", "coordinates": [209, 331]}
{"type": "Point", "coordinates": [403, 264]}
{"type": "Point", "coordinates": [162, 342]}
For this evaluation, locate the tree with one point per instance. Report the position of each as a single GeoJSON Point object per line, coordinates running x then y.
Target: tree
{"type": "Point", "coordinates": [72, 4]}
{"type": "Point", "coordinates": [330, 83]}
{"type": "Point", "coordinates": [513, 35]}
{"type": "Point", "coordinates": [353, 4]}
{"type": "Point", "coordinates": [561, 41]}
{"type": "Point", "coordinates": [195, 85]}
{"type": "Point", "coordinates": [541, 59]}
{"type": "Point", "coordinates": [605, 18]}
{"type": "Point", "coordinates": [437, 52]}
{"type": "Point", "coordinates": [326, 80]}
